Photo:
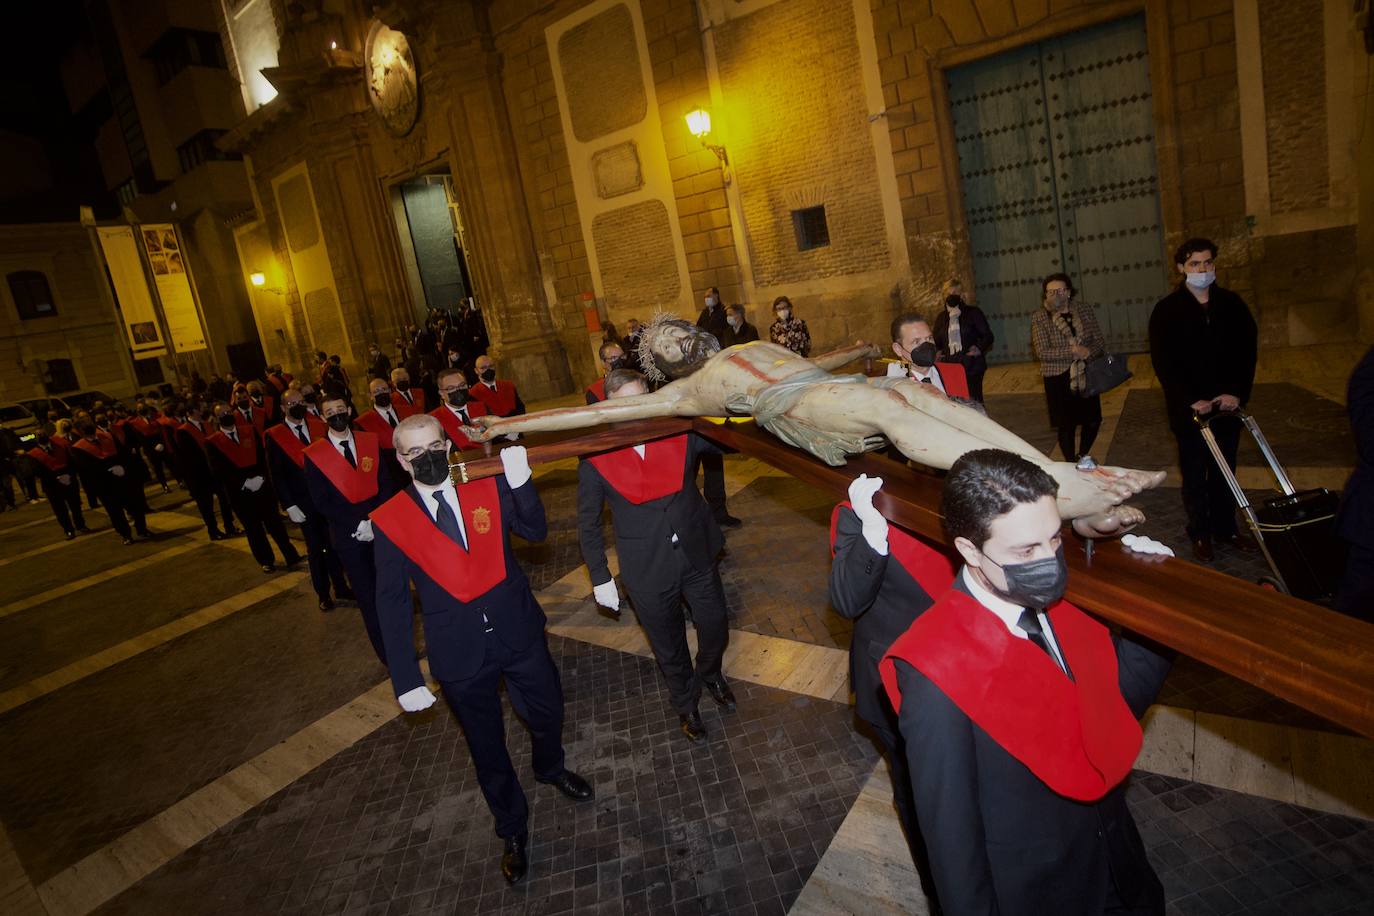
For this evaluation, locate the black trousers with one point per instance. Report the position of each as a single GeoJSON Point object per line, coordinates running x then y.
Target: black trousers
{"type": "Point", "coordinates": [536, 694]}
{"type": "Point", "coordinates": [975, 385]}
{"type": "Point", "coordinates": [157, 461]}
{"type": "Point", "coordinates": [362, 575]}
{"type": "Point", "coordinates": [659, 609]}
{"type": "Point", "coordinates": [205, 494]}
{"type": "Point", "coordinates": [258, 513]}
{"type": "Point", "coordinates": [66, 503]}
{"type": "Point", "coordinates": [325, 568]}
{"type": "Point", "coordinates": [1207, 499]}
{"type": "Point", "coordinates": [123, 499]}
{"type": "Point", "coordinates": [904, 799]}
{"type": "Point", "coordinates": [713, 483]}
{"type": "Point", "coordinates": [1356, 594]}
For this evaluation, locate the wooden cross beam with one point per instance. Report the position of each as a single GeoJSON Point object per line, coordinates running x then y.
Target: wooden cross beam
{"type": "Point", "coordinates": [1298, 651]}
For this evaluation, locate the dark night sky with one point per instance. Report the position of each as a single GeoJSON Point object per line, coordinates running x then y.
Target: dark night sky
{"type": "Point", "coordinates": [33, 103]}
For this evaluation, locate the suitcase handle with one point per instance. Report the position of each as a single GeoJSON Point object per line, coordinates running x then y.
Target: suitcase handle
{"type": "Point", "coordinates": [1205, 420]}
{"type": "Point", "coordinates": [1204, 423]}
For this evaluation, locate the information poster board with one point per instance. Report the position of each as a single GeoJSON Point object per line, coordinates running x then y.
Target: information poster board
{"type": "Point", "coordinates": [173, 280]}
{"type": "Point", "coordinates": [131, 289]}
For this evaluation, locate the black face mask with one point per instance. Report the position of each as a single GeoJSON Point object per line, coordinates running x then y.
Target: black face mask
{"type": "Point", "coordinates": [296, 411]}
{"type": "Point", "coordinates": [954, 302]}
{"type": "Point", "coordinates": [339, 422]}
{"type": "Point", "coordinates": [489, 375]}
{"type": "Point", "coordinates": [382, 399]}
{"type": "Point", "coordinates": [458, 398]}
{"type": "Point", "coordinates": [244, 404]}
{"type": "Point", "coordinates": [227, 421]}
{"type": "Point", "coordinates": [86, 429]}
{"type": "Point", "coordinates": [403, 385]}
{"type": "Point", "coordinates": [430, 467]}
{"type": "Point", "coordinates": [1038, 583]}
{"type": "Point", "coordinates": [617, 363]}
{"type": "Point", "coordinates": [923, 355]}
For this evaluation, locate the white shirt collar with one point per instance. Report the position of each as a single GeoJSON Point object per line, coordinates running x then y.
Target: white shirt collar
{"type": "Point", "coordinates": [457, 411]}
{"type": "Point", "coordinates": [1006, 612]}
{"type": "Point", "coordinates": [339, 438]}
{"type": "Point", "coordinates": [639, 449]}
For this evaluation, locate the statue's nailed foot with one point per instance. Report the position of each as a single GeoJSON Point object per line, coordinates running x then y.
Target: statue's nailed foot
{"type": "Point", "coordinates": [1114, 522]}
{"type": "Point", "coordinates": [1088, 494]}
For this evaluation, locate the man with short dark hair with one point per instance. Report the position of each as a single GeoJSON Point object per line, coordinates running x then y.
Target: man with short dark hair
{"type": "Point", "coordinates": [1204, 347]}
{"type": "Point", "coordinates": [1020, 714]}
{"type": "Point", "coordinates": [457, 407]}
{"type": "Point", "coordinates": [237, 459]}
{"type": "Point", "coordinates": [668, 548]}
{"type": "Point", "coordinates": [914, 344]}
{"type": "Point", "coordinates": [712, 317]}
{"type": "Point", "coordinates": [737, 330]}
{"type": "Point", "coordinates": [612, 356]}
{"type": "Point", "coordinates": [499, 395]}
{"type": "Point", "coordinates": [201, 481]}
{"type": "Point", "coordinates": [408, 400]}
{"type": "Point", "coordinates": [963, 336]}
{"type": "Point", "coordinates": [56, 469]}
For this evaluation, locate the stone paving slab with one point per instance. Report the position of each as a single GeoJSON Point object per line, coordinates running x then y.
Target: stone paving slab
{"type": "Point", "coordinates": [85, 764]}
{"type": "Point", "coordinates": [48, 636]}
{"type": "Point", "coordinates": [396, 824]}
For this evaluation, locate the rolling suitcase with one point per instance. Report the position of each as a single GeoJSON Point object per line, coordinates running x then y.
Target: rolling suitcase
{"type": "Point", "coordinates": [1296, 532]}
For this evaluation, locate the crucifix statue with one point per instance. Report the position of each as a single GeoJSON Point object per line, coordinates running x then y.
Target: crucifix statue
{"type": "Point", "coordinates": [803, 403]}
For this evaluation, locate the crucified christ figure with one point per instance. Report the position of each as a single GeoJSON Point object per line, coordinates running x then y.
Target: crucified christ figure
{"type": "Point", "coordinates": [801, 402]}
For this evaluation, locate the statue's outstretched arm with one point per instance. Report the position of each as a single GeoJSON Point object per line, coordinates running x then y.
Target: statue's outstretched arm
{"type": "Point", "coordinates": [846, 355]}
{"type": "Point", "coordinates": [665, 402]}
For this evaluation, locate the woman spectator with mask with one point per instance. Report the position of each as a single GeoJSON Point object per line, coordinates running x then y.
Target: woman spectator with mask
{"type": "Point", "coordinates": [1065, 335]}
{"type": "Point", "coordinates": [962, 335]}
{"type": "Point", "coordinates": [788, 331]}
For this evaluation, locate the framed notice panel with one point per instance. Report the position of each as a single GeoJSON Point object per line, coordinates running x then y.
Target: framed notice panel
{"type": "Point", "coordinates": [172, 276]}
{"type": "Point", "coordinates": [131, 290]}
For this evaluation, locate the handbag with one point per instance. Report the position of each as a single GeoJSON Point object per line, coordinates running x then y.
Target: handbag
{"type": "Point", "coordinates": [1105, 373]}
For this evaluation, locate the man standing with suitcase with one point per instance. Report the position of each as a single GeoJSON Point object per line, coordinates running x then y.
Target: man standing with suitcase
{"type": "Point", "coordinates": [1204, 345]}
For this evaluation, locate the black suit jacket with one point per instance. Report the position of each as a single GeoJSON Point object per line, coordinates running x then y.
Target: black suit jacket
{"type": "Point", "coordinates": [974, 331]}
{"type": "Point", "coordinates": [713, 320]}
{"type": "Point", "coordinates": [343, 516]}
{"type": "Point", "coordinates": [883, 600]}
{"type": "Point", "coordinates": [287, 479]}
{"type": "Point", "coordinates": [455, 633]}
{"type": "Point", "coordinates": [1199, 353]}
{"type": "Point", "coordinates": [1000, 840]}
{"type": "Point", "coordinates": [191, 458]}
{"type": "Point", "coordinates": [644, 533]}
{"type": "Point", "coordinates": [230, 474]}
{"type": "Point", "coordinates": [1356, 519]}
{"type": "Point", "coordinates": [747, 333]}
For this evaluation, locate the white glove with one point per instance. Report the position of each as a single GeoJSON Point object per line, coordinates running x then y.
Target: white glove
{"type": "Point", "coordinates": [416, 700]}
{"type": "Point", "coordinates": [1138, 543]}
{"type": "Point", "coordinates": [253, 484]}
{"type": "Point", "coordinates": [295, 514]}
{"type": "Point", "coordinates": [117, 470]}
{"type": "Point", "coordinates": [64, 479]}
{"type": "Point", "coordinates": [861, 492]}
{"type": "Point", "coordinates": [159, 447]}
{"type": "Point", "coordinates": [364, 532]}
{"type": "Point", "coordinates": [516, 464]}
{"type": "Point", "coordinates": [607, 595]}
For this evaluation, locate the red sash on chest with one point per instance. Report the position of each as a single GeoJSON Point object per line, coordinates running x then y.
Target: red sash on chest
{"type": "Point", "coordinates": [356, 484]}
{"type": "Point", "coordinates": [145, 427]}
{"type": "Point", "coordinates": [661, 472]}
{"type": "Point", "coordinates": [196, 434]}
{"type": "Point", "coordinates": [168, 428]}
{"type": "Point", "coordinates": [449, 420]}
{"type": "Point", "coordinates": [56, 461]}
{"type": "Point", "coordinates": [954, 378]}
{"type": "Point", "coordinates": [464, 574]}
{"type": "Point", "coordinates": [932, 569]}
{"type": "Point", "coordinates": [1077, 736]}
{"type": "Point", "coordinates": [377, 424]}
{"type": "Point", "coordinates": [243, 453]}
{"type": "Point", "coordinates": [500, 401]}
{"type": "Point", "coordinates": [597, 389]}
{"type": "Point", "coordinates": [287, 441]}
{"type": "Point", "coordinates": [103, 448]}
{"type": "Point", "coordinates": [405, 408]}
{"type": "Point", "coordinates": [117, 431]}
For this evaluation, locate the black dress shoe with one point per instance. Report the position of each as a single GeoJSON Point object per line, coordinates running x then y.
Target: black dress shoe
{"type": "Point", "coordinates": [729, 521]}
{"type": "Point", "coordinates": [268, 568]}
{"type": "Point", "coordinates": [218, 536]}
{"type": "Point", "coordinates": [127, 541]}
{"type": "Point", "coordinates": [83, 530]}
{"type": "Point", "coordinates": [326, 603]}
{"type": "Point", "coordinates": [1202, 549]}
{"type": "Point", "coordinates": [513, 861]}
{"type": "Point", "coordinates": [71, 535]}
{"type": "Point", "coordinates": [345, 594]}
{"type": "Point", "coordinates": [232, 532]}
{"type": "Point", "coordinates": [692, 726]}
{"type": "Point", "coordinates": [144, 533]}
{"type": "Point", "coordinates": [722, 694]}
{"type": "Point", "coordinates": [570, 784]}
{"type": "Point", "coordinates": [292, 562]}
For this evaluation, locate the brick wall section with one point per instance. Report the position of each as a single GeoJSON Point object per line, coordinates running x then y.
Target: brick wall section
{"type": "Point", "coordinates": [791, 74]}
{"type": "Point", "coordinates": [678, 59]}
{"type": "Point", "coordinates": [1293, 51]}
{"type": "Point", "coordinates": [634, 253]}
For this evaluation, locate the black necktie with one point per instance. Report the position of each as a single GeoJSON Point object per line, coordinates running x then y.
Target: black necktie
{"type": "Point", "coordinates": [348, 453]}
{"type": "Point", "coordinates": [391, 418]}
{"type": "Point", "coordinates": [300, 434]}
{"type": "Point", "coordinates": [927, 381]}
{"type": "Point", "coordinates": [447, 521]}
{"type": "Point", "coordinates": [233, 437]}
{"type": "Point", "coordinates": [1030, 622]}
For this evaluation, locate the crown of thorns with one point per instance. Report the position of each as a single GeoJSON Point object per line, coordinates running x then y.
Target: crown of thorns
{"type": "Point", "coordinates": [644, 350]}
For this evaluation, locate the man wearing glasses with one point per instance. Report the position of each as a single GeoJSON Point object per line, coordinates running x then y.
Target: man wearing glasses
{"type": "Point", "coordinates": [457, 407]}
{"type": "Point", "coordinates": [482, 622]}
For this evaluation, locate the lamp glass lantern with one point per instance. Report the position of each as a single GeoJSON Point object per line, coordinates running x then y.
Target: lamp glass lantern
{"type": "Point", "coordinates": [699, 123]}
{"type": "Point", "coordinates": [258, 278]}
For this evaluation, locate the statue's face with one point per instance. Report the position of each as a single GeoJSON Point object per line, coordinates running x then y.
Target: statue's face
{"type": "Point", "coordinates": [680, 348]}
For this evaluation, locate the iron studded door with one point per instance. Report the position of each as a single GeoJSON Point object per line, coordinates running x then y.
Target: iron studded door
{"type": "Point", "coordinates": [1057, 165]}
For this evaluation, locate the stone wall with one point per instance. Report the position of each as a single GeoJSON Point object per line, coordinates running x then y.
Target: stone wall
{"type": "Point", "coordinates": [1294, 59]}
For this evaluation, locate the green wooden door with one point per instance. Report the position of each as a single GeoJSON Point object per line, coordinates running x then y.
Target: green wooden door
{"type": "Point", "coordinates": [1058, 170]}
